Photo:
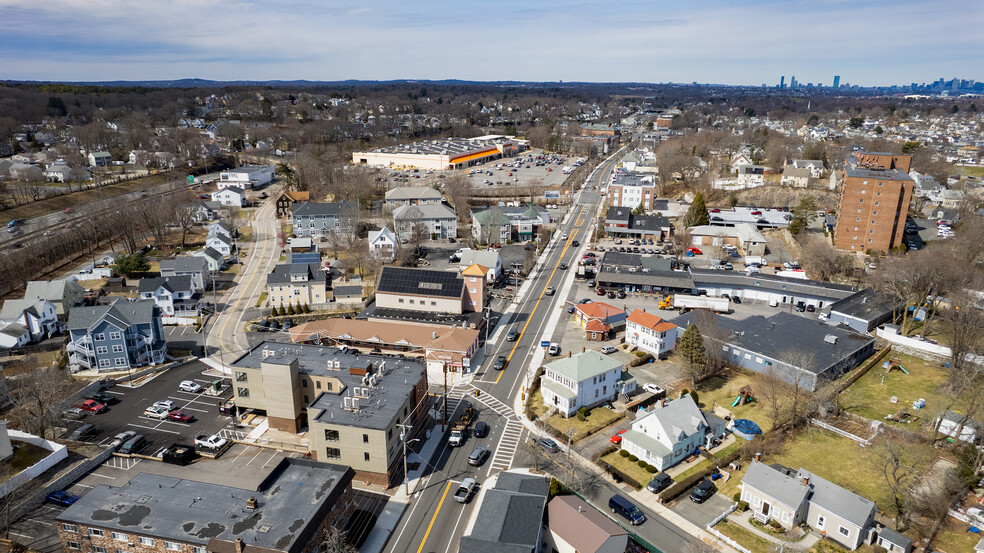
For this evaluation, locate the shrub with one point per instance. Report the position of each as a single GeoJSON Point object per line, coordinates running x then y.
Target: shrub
{"type": "Point", "coordinates": [737, 497]}
{"type": "Point", "coordinates": [623, 453]}
{"type": "Point", "coordinates": [684, 392]}
{"type": "Point", "coordinates": [557, 488]}
{"type": "Point", "coordinates": [581, 417]}
{"type": "Point", "coordinates": [639, 353]}
{"type": "Point", "coordinates": [307, 308]}
{"type": "Point", "coordinates": [584, 411]}
{"type": "Point", "coordinates": [275, 312]}
{"type": "Point", "coordinates": [775, 524]}
{"type": "Point", "coordinates": [693, 394]}
{"type": "Point", "coordinates": [642, 464]}
{"type": "Point", "coordinates": [633, 458]}
{"type": "Point", "coordinates": [742, 506]}
{"type": "Point", "coordinates": [651, 469]}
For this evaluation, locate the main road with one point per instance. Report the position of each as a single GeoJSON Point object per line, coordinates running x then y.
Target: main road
{"type": "Point", "coordinates": [434, 521]}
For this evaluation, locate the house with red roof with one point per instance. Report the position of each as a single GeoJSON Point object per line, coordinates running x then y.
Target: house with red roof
{"type": "Point", "coordinates": [651, 334]}
{"type": "Point", "coordinates": [599, 320]}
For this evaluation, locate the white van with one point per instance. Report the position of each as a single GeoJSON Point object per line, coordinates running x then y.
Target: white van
{"type": "Point", "coordinates": [773, 303]}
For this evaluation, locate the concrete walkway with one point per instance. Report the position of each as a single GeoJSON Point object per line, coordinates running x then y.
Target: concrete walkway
{"type": "Point", "coordinates": [742, 519]}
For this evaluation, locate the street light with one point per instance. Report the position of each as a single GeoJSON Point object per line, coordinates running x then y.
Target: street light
{"type": "Point", "coordinates": [406, 473]}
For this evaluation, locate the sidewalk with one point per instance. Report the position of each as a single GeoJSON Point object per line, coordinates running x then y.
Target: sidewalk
{"type": "Point", "coordinates": [804, 544]}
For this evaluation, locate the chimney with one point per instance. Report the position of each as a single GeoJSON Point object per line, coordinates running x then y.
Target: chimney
{"type": "Point", "coordinates": [568, 354]}
{"type": "Point", "coordinates": [251, 503]}
{"type": "Point", "coordinates": [806, 482]}
{"type": "Point", "coordinates": [582, 349]}
{"type": "Point", "coordinates": [758, 456]}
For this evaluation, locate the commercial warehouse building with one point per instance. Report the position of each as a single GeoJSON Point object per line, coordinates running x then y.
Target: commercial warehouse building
{"type": "Point", "coordinates": [442, 154]}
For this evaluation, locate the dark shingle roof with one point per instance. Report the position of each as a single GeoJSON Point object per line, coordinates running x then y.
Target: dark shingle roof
{"type": "Point", "coordinates": [421, 282]}
{"type": "Point", "coordinates": [123, 314]}
{"type": "Point", "coordinates": [180, 283]}
{"type": "Point", "coordinates": [866, 305]}
{"type": "Point", "coordinates": [313, 209]}
{"type": "Point", "coordinates": [511, 515]}
{"type": "Point", "coordinates": [188, 263]}
{"type": "Point", "coordinates": [282, 273]}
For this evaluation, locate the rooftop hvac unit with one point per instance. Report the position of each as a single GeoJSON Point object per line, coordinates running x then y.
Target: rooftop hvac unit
{"type": "Point", "coordinates": [830, 339]}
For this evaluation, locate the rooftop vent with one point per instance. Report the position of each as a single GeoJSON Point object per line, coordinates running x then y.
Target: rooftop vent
{"type": "Point", "coordinates": [830, 339]}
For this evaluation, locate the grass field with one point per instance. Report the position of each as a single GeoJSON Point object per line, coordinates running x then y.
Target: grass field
{"type": "Point", "coordinates": [871, 395]}
{"type": "Point", "coordinates": [844, 463]}
{"type": "Point", "coordinates": [626, 466]}
{"type": "Point", "coordinates": [972, 172]}
{"type": "Point", "coordinates": [600, 417]}
{"type": "Point", "coordinates": [955, 537]}
{"type": "Point", "coordinates": [722, 390]}
{"type": "Point", "coordinates": [752, 542]}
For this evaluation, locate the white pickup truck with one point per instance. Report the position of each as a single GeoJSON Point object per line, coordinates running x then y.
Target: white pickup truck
{"type": "Point", "coordinates": [210, 442]}
{"type": "Point", "coordinates": [465, 490]}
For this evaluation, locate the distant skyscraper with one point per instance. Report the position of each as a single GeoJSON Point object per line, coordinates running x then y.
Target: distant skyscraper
{"type": "Point", "coordinates": [782, 81]}
{"type": "Point", "coordinates": [792, 82]}
{"type": "Point", "coordinates": [837, 81]}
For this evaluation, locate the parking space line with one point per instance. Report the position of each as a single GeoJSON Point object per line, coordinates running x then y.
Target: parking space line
{"type": "Point", "coordinates": [84, 485]}
{"type": "Point", "coordinates": [186, 408]}
{"type": "Point", "coordinates": [19, 535]}
{"type": "Point", "coordinates": [104, 476]}
{"type": "Point", "coordinates": [255, 456]}
{"type": "Point", "coordinates": [114, 393]}
{"type": "Point", "coordinates": [156, 428]}
{"type": "Point", "coordinates": [272, 457]}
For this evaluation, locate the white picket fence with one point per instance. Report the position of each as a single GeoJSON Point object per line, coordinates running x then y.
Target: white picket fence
{"type": "Point", "coordinates": [58, 453]}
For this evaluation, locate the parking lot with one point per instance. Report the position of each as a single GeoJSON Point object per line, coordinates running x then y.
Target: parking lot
{"type": "Point", "coordinates": [700, 514]}
{"type": "Point", "coordinates": [127, 412]}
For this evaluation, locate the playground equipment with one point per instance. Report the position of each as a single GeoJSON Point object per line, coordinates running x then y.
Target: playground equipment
{"type": "Point", "coordinates": [744, 396]}
{"type": "Point", "coordinates": [894, 363]}
{"type": "Point", "coordinates": [919, 404]}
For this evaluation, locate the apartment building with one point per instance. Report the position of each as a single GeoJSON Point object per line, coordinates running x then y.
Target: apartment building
{"type": "Point", "coordinates": [297, 284]}
{"type": "Point", "coordinates": [426, 221]}
{"type": "Point", "coordinates": [120, 336]}
{"type": "Point", "coordinates": [287, 199]}
{"type": "Point", "coordinates": [297, 500]}
{"type": "Point", "coordinates": [412, 195]}
{"type": "Point", "coordinates": [352, 404]}
{"type": "Point", "coordinates": [632, 190]}
{"type": "Point", "coordinates": [320, 219]}
{"type": "Point", "coordinates": [874, 202]}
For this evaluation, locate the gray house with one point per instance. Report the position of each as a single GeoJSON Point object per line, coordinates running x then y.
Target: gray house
{"type": "Point", "coordinates": [512, 516]}
{"type": "Point", "coordinates": [774, 492]}
{"type": "Point", "coordinates": [437, 220]}
{"type": "Point", "coordinates": [64, 294]}
{"type": "Point", "coordinates": [796, 349]}
{"type": "Point", "coordinates": [861, 311]}
{"type": "Point", "coordinates": [120, 336]}
{"type": "Point", "coordinates": [318, 219]}
{"type": "Point", "coordinates": [193, 266]}
{"type": "Point", "coordinates": [213, 259]}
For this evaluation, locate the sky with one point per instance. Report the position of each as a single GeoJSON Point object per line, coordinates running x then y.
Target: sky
{"type": "Point", "coordinates": [740, 42]}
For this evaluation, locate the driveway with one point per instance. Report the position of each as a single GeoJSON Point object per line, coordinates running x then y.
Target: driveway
{"type": "Point", "coordinates": [700, 514]}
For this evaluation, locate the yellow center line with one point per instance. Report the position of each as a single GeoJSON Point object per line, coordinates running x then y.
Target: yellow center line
{"type": "Point", "coordinates": [434, 518]}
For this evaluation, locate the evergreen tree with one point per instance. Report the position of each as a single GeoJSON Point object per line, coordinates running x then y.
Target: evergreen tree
{"type": "Point", "coordinates": [290, 309]}
{"type": "Point", "coordinates": [275, 312]}
{"type": "Point", "coordinates": [130, 264]}
{"type": "Point", "coordinates": [692, 353]}
{"type": "Point", "coordinates": [697, 214]}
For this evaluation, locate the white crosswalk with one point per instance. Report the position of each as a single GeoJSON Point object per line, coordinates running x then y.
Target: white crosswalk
{"type": "Point", "coordinates": [505, 452]}
{"type": "Point", "coordinates": [487, 400]}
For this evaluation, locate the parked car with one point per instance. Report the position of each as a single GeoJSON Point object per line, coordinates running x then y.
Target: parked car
{"type": "Point", "coordinates": [121, 439]}
{"type": "Point", "coordinates": [481, 429]}
{"type": "Point", "coordinates": [702, 491]}
{"type": "Point", "coordinates": [102, 397]}
{"type": "Point", "coordinates": [166, 404]}
{"type": "Point", "coordinates": [611, 294]}
{"type": "Point", "coordinates": [599, 292]}
{"type": "Point", "coordinates": [61, 497]}
{"type": "Point", "coordinates": [190, 386]}
{"type": "Point", "coordinates": [478, 456]}
{"type": "Point", "coordinates": [621, 294]}
{"type": "Point", "coordinates": [92, 406]}
{"type": "Point", "coordinates": [801, 306]}
{"type": "Point", "coordinates": [608, 349]}
{"type": "Point", "coordinates": [156, 412]}
{"type": "Point", "coordinates": [83, 432]}
{"type": "Point", "coordinates": [180, 416]}
{"type": "Point", "coordinates": [135, 444]}
{"type": "Point", "coordinates": [659, 482]}
{"type": "Point", "coordinates": [554, 349]}
{"type": "Point", "coordinates": [548, 444]}
{"type": "Point", "coordinates": [625, 508]}
{"type": "Point", "coordinates": [617, 437]}
{"type": "Point", "coordinates": [570, 309]}
{"type": "Point", "coordinates": [652, 388]}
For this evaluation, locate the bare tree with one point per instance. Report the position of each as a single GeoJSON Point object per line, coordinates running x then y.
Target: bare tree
{"type": "Point", "coordinates": [821, 261]}
{"type": "Point", "coordinates": [458, 190]}
{"type": "Point", "coordinates": [900, 469]}
{"type": "Point", "coordinates": [34, 183]}
{"type": "Point", "coordinates": [798, 363]}
{"type": "Point", "coordinates": [931, 503]}
{"type": "Point", "coordinates": [336, 541]}
{"type": "Point", "coordinates": [36, 395]}
{"type": "Point", "coordinates": [770, 390]}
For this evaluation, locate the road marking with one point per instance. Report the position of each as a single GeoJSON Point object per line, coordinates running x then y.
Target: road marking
{"type": "Point", "coordinates": [19, 535]}
{"type": "Point", "coordinates": [434, 518]}
{"type": "Point", "coordinates": [84, 486]}
{"type": "Point", "coordinates": [157, 428]}
{"type": "Point", "coordinates": [505, 450]}
{"type": "Point", "coordinates": [255, 456]}
{"type": "Point", "coordinates": [104, 476]}
{"type": "Point", "coordinates": [115, 393]}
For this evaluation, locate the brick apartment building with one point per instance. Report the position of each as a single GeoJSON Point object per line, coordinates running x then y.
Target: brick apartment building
{"type": "Point", "coordinates": [297, 502]}
{"type": "Point", "coordinates": [632, 190]}
{"type": "Point", "coordinates": [874, 202]}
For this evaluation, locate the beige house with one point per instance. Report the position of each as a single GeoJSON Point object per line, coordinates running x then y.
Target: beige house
{"type": "Point", "coordinates": [297, 284]}
{"type": "Point", "coordinates": [352, 404]}
{"type": "Point", "coordinates": [432, 291]}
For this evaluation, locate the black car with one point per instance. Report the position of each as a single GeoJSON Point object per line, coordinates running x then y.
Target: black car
{"type": "Point", "coordinates": [736, 299]}
{"type": "Point", "coordinates": [801, 306]}
{"type": "Point", "coordinates": [513, 335]}
{"type": "Point", "coordinates": [478, 456]}
{"type": "Point", "coordinates": [575, 243]}
{"type": "Point", "coordinates": [702, 491]}
{"type": "Point", "coordinates": [659, 482]}
{"type": "Point", "coordinates": [621, 294]}
{"type": "Point", "coordinates": [481, 429]}
{"type": "Point", "coordinates": [500, 362]}
{"type": "Point", "coordinates": [811, 308]}
{"type": "Point", "coordinates": [611, 295]}
{"type": "Point", "coordinates": [103, 397]}
{"type": "Point", "coordinates": [563, 266]}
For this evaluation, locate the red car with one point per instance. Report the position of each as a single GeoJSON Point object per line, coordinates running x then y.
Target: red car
{"type": "Point", "coordinates": [600, 292]}
{"type": "Point", "coordinates": [617, 437]}
{"type": "Point", "coordinates": [180, 416]}
{"type": "Point", "coordinates": [92, 406]}
{"type": "Point", "coordinates": [714, 210]}
{"type": "Point", "coordinates": [756, 213]}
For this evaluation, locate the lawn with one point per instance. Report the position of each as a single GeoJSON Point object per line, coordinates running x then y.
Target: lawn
{"type": "Point", "coordinates": [624, 465]}
{"type": "Point", "coordinates": [955, 537]}
{"type": "Point", "coordinates": [263, 297]}
{"type": "Point", "coordinates": [599, 418]}
{"type": "Point", "coordinates": [750, 541]}
{"type": "Point", "coordinates": [871, 395]}
{"type": "Point", "coordinates": [972, 172]}
{"type": "Point", "coordinates": [721, 390]}
{"type": "Point", "coordinates": [843, 462]}
{"type": "Point", "coordinates": [25, 455]}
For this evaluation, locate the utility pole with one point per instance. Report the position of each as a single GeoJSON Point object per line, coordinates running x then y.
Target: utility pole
{"type": "Point", "coordinates": [406, 473]}
{"type": "Point", "coordinates": [444, 420]}
{"type": "Point", "coordinates": [570, 437]}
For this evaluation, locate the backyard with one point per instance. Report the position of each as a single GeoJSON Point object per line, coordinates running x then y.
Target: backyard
{"type": "Point", "coordinates": [871, 396]}
{"type": "Point", "coordinates": [599, 418]}
{"type": "Point", "coordinates": [722, 390]}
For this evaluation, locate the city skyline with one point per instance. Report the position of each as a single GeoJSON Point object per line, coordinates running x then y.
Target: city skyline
{"type": "Point", "coordinates": [868, 43]}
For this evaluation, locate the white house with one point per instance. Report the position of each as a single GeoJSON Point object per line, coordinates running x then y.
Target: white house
{"type": "Point", "coordinates": [489, 259]}
{"type": "Point", "coordinates": [738, 160]}
{"type": "Point", "coordinates": [221, 227]}
{"type": "Point", "coordinates": [582, 380]}
{"type": "Point", "coordinates": [651, 333]}
{"type": "Point", "coordinates": [220, 243]}
{"type": "Point", "coordinates": [100, 159]}
{"type": "Point", "coordinates": [175, 296]}
{"type": "Point", "coordinates": [38, 316]}
{"type": "Point", "coordinates": [13, 335]}
{"type": "Point", "coordinates": [382, 243]}
{"type": "Point", "coordinates": [214, 260]}
{"type": "Point", "coordinates": [670, 434]}
{"type": "Point", "coordinates": [230, 195]}
{"type": "Point", "coordinates": [437, 221]}
{"type": "Point", "coordinates": [247, 177]}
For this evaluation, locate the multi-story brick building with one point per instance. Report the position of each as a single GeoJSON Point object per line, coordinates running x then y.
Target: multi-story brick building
{"type": "Point", "coordinates": [874, 202]}
{"type": "Point", "coordinates": [632, 190]}
{"type": "Point", "coordinates": [289, 512]}
{"type": "Point", "coordinates": [353, 405]}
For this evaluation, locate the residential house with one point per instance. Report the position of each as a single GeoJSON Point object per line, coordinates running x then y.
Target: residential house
{"type": "Point", "coordinates": [500, 224]}
{"type": "Point", "coordinates": [287, 199]}
{"type": "Point", "coordinates": [797, 177]}
{"type": "Point", "coordinates": [222, 227]}
{"type": "Point", "coordinates": [13, 335]}
{"type": "Point", "coordinates": [64, 294]}
{"type": "Point", "coordinates": [247, 177]}
{"type": "Point", "coordinates": [58, 172]}
{"type": "Point", "coordinates": [175, 296]}
{"type": "Point", "coordinates": [433, 221]}
{"type": "Point", "coordinates": [220, 243]}
{"type": "Point", "coordinates": [230, 196]}
{"type": "Point", "coordinates": [298, 284]}
{"type": "Point", "coordinates": [120, 336]}
{"type": "Point", "coordinates": [651, 334]}
{"type": "Point", "coordinates": [214, 260]}
{"type": "Point", "coordinates": [352, 405]}
{"type": "Point", "coordinates": [351, 293]}
{"type": "Point", "coordinates": [794, 348]}
{"type": "Point", "coordinates": [574, 526]}
{"type": "Point", "coordinates": [100, 159]}
{"type": "Point", "coordinates": [194, 267]}
{"type": "Point", "coordinates": [382, 244]}
{"type": "Point", "coordinates": [205, 211]}
{"type": "Point", "coordinates": [793, 497]}
{"type": "Point", "coordinates": [412, 195]}
{"type": "Point", "coordinates": [429, 290]}
{"type": "Point", "coordinates": [324, 219]}
{"type": "Point", "coordinates": [489, 259]}
{"type": "Point", "coordinates": [581, 380]}
{"type": "Point", "coordinates": [620, 222]}
{"type": "Point", "coordinates": [298, 500]}
{"type": "Point", "coordinates": [301, 245]}
{"type": "Point", "coordinates": [599, 320]}
{"type": "Point", "coordinates": [814, 165]}
{"type": "Point", "coordinates": [740, 160]}
{"type": "Point", "coordinates": [491, 226]}
{"type": "Point", "coordinates": [742, 235]}
{"type": "Point", "coordinates": [511, 514]}
{"type": "Point", "coordinates": [672, 432]}
{"type": "Point", "coordinates": [38, 316]}
{"type": "Point", "coordinates": [751, 175]}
